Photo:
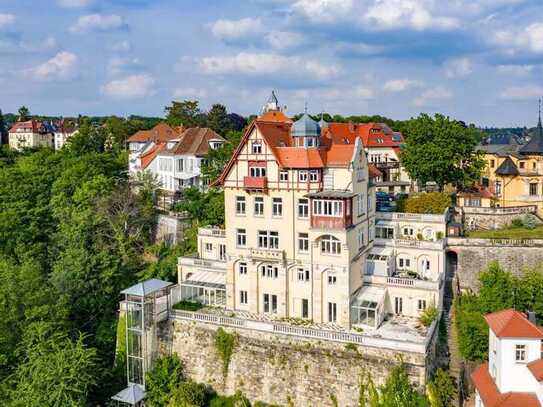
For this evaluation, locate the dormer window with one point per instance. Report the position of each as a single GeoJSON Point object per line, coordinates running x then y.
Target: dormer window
{"type": "Point", "coordinates": [313, 175]}
{"type": "Point", "coordinates": [520, 353]}
{"type": "Point", "coordinates": [256, 147]}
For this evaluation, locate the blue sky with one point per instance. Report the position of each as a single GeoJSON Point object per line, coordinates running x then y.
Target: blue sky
{"type": "Point", "coordinates": [477, 60]}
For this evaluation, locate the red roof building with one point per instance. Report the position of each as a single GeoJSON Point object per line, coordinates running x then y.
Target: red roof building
{"type": "Point", "coordinates": [514, 373]}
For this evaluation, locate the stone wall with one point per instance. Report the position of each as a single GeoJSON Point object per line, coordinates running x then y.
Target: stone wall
{"type": "Point", "coordinates": [492, 218]}
{"type": "Point", "coordinates": [281, 369]}
{"type": "Point", "coordinates": [474, 255]}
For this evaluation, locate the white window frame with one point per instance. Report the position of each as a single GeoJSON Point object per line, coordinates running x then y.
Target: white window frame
{"type": "Point", "coordinates": [256, 147]}
{"type": "Point", "coordinates": [283, 176]}
{"type": "Point", "coordinates": [520, 353]}
{"type": "Point", "coordinates": [332, 280]}
{"type": "Point", "coordinates": [303, 274]}
{"type": "Point", "coordinates": [257, 171]}
{"type": "Point", "coordinates": [330, 245]}
{"type": "Point", "coordinates": [277, 207]}
{"type": "Point", "coordinates": [242, 267]}
{"type": "Point", "coordinates": [241, 237]}
{"type": "Point", "coordinates": [302, 176]}
{"type": "Point", "coordinates": [241, 205]}
{"type": "Point", "coordinates": [332, 312]}
{"type": "Point", "coordinates": [303, 242]}
{"type": "Point", "coordinates": [313, 175]}
{"type": "Point", "coordinates": [258, 208]}
{"type": "Point", "coordinates": [268, 239]}
{"type": "Point", "coordinates": [269, 271]}
{"type": "Point", "coordinates": [421, 304]}
{"type": "Point", "coordinates": [328, 208]}
{"type": "Point", "coordinates": [243, 297]}
{"type": "Point", "coordinates": [209, 247]}
{"type": "Point", "coordinates": [303, 208]}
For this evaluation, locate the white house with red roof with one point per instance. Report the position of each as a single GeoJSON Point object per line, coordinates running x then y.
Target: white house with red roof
{"type": "Point", "coordinates": [31, 134]}
{"type": "Point", "coordinates": [513, 375]}
{"type": "Point", "coordinates": [64, 129]}
{"type": "Point", "coordinates": [173, 155]}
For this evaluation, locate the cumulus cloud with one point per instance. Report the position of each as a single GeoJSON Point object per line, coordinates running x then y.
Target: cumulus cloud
{"type": "Point", "coordinates": [62, 66]}
{"type": "Point", "coordinates": [134, 86]}
{"type": "Point", "coordinates": [97, 22]}
{"type": "Point", "coordinates": [414, 14]}
{"type": "Point", "coordinates": [6, 19]}
{"type": "Point", "coordinates": [528, 39]}
{"type": "Point", "coordinates": [522, 92]}
{"type": "Point", "coordinates": [247, 63]}
{"type": "Point", "coordinates": [284, 39]}
{"type": "Point", "coordinates": [236, 29]}
{"type": "Point", "coordinates": [325, 11]}
{"type": "Point", "coordinates": [431, 95]}
{"type": "Point", "coordinates": [400, 85]}
{"type": "Point", "coordinates": [458, 68]}
{"type": "Point", "coordinates": [74, 3]}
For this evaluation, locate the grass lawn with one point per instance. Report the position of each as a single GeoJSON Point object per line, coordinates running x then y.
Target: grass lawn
{"type": "Point", "coordinates": [188, 306]}
{"type": "Point", "coordinates": [509, 233]}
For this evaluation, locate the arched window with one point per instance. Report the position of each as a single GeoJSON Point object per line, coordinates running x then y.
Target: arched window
{"type": "Point", "coordinates": [330, 245]}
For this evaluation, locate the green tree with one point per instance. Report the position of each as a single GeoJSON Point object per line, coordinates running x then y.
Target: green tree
{"type": "Point", "coordinates": [161, 382]}
{"type": "Point", "coordinates": [399, 392]}
{"type": "Point", "coordinates": [217, 119]}
{"type": "Point", "coordinates": [3, 130]}
{"type": "Point", "coordinates": [207, 208]}
{"type": "Point", "coordinates": [88, 139]}
{"type": "Point", "coordinates": [441, 150]}
{"type": "Point", "coordinates": [186, 113]}
{"type": "Point", "coordinates": [441, 390]}
{"type": "Point", "coordinates": [425, 202]}
{"type": "Point", "coordinates": [188, 394]}
{"type": "Point", "coordinates": [497, 289]}
{"type": "Point", "coordinates": [56, 371]}
{"type": "Point", "coordinates": [24, 113]}
{"type": "Point", "coordinates": [216, 160]}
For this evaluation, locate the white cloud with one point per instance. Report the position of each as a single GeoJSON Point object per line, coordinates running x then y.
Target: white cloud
{"type": "Point", "coordinates": [517, 70]}
{"type": "Point", "coordinates": [431, 95]}
{"type": "Point", "coordinates": [116, 65]}
{"type": "Point", "coordinates": [61, 67]}
{"type": "Point", "coordinates": [529, 39]}
{"type": "Point", "coordinates": [458, 68]}
{"type": "Point", "coordinates": [414, 14]}
{"type": "Point", "coordinates": [134, 86]}
{"type": "Point", "coordinates": [185, 93]}
{"type": "Point", "coordinates": [97, 22]}
{"type": "Point", "coordinates": [400, 85]}
{"type": "Point", "coordinates": [123, 46]}
{"type": "Point", "coordinates": [6, 19]}
{"type": "Point", "coordinates": [236, 29]}
{"type": "Point", "coordinates": [247, 63]}
{"type": "Point", "coordinates": [74, 3]}
{"type": "Point", "coordinates": [325, 11]}
{"type": "Point", "coordinates": [522, 92]}
{"type": "Point", "coordinates": [284, 39]}
{"type": "Point", "coordinates": [49, 43]}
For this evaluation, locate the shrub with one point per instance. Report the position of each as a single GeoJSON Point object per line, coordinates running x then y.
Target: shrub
{"type": "Point", "coordinates": [426, 202]}
{"type": "Point", "coordinates": [439, 235]}
{"type": "Point", "coordinates": [166, 376]}
{"type": "Point", "coordinates": [188, 306]}
{"type": "Point", "coordinates": [517, 223]}
{"type": "Point", "coordinates": [529, 221]}
{"type": "Point", "coordinates": [428, 316]}
{"type": "Point", "coordinates": [237, 400]}
{"type": "Point", "coordinates": [189, 394]}
{"type": "Point", "coordinates": [441, 390]}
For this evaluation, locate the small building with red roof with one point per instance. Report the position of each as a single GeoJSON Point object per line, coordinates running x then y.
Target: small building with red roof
{"type": "Point", "coordinates": [30, 134]}
{"type": "Point", "coordinates": [513, 375]}
{"type": "Point", "coordinates": [173, 155]}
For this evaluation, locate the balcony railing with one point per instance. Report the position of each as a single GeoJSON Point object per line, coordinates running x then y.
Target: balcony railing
{"type": "Point", "coordinates": [419, 244]}
{"type": "Point", "coordinates": [267, 254]}
{"type": "Point", "coordinates": [417, 217]}
{"type": "Point", "coordinates": [387, 165]}
{"type": "Point", "coordinates": [402, 282]}
{"type": "Point", "coordinates": [215, 232]}
{"type": "Point", "coordinates": [216, 265]}
{"type": "Point", "coordinates": [255, 183]}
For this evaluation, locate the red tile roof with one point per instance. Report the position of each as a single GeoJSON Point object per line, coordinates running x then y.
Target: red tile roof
{"type": "Point", "coordinates": [160, 133]}
{"type": "Point", "coordinates": [492, 397]}
{"type": "Point", "coordinates": [536, 367]}
{"type": "Point", "coordinates": [374, 171]}
{"type": "Point", "coordinates": [478, 191]}
{"type": "Point", "coordinates": [512, 324]}
{"type": "Point", "coordinates": [150, 155]}
{"type": "Point", "coordinates": [29, 125]}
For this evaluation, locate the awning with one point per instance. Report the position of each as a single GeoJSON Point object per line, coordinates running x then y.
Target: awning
{"type": "Point", "coordinates": [146, 287]}
{"type": "Point", "coordinates": [132, 395]}
{"type": "Point", "coordinates": [207, 279]}
{"type": "Point", "coordinates": [369, 297]}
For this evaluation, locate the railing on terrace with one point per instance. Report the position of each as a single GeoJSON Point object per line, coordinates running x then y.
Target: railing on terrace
{"type": "Point", "coordinates": [306, 332]}
{"type": "Point", "coordinates": [417, 217]}
{"type": "Point", "coordinates": [403, 282]}
{"type": "Point", "coordinates": [500, 211]}
{"type": "Point", "coordinates": [216, 232]}
{"type": "Point", "coordinates": [419, 244]}
{"type": "Point", "coordinates": [473, 242]}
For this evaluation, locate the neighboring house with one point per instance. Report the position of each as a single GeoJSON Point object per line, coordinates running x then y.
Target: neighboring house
{"type": "Point", "coordinates": [302, 239]}
{"type": "Point", "coordinates": [64, 129]}
{"type": "Point", "coordinates": [175, 156]}
{"type": "Point", "coordinates": [31, 134]}
{"type": "Point", "coordinates": [513, 375]}
{"type": "Point", "coordinates": [513, 174]}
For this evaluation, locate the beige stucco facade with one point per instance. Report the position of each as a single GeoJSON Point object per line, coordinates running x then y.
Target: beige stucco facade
{"type": "Point", "coordinates": [28, 139]}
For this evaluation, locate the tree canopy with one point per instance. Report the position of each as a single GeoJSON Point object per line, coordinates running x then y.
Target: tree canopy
{"type": "Point", "coordinates": [441, 150]}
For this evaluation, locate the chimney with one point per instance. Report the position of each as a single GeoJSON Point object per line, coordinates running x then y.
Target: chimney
{"type": "Point", "coordinates": [531, 317]}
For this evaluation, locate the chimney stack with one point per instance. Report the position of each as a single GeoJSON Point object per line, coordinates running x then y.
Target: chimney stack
{"type": "Point", "coordinates": [531, 317]}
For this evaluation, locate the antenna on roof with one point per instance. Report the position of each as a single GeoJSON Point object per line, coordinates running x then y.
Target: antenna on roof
{"type": "Point", "coordinates": [305, 107]}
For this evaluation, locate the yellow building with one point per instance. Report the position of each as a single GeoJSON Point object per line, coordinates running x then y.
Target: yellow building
{"type": "Point", "coordinates": [513, 175]}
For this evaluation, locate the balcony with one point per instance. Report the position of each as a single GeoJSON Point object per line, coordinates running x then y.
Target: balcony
{"type": "Point", "coordinates": [255, 183]}
{"type": "Point", "coordinates": [267, 254]}
{"type": "Point", "coordinates": [199, 263]}
{"type": "Point", "coordinates": [330, 222]}
{"type": "Point", "coordinates": [402, 282]}
{"type": "Point", "coordinates": [211, 231]}
{"type": "Point", "coordinates": [388, 165]}
{"type": "Point", "coordinates": [418, 244]}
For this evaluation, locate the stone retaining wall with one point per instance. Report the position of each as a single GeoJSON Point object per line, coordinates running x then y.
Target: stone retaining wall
{"type": "Point", "coordinates": [285, 370]}
{"type": "Point", "coordinates": [492, 218]}
{"type": "Point", "coordinates": [474, 255]}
